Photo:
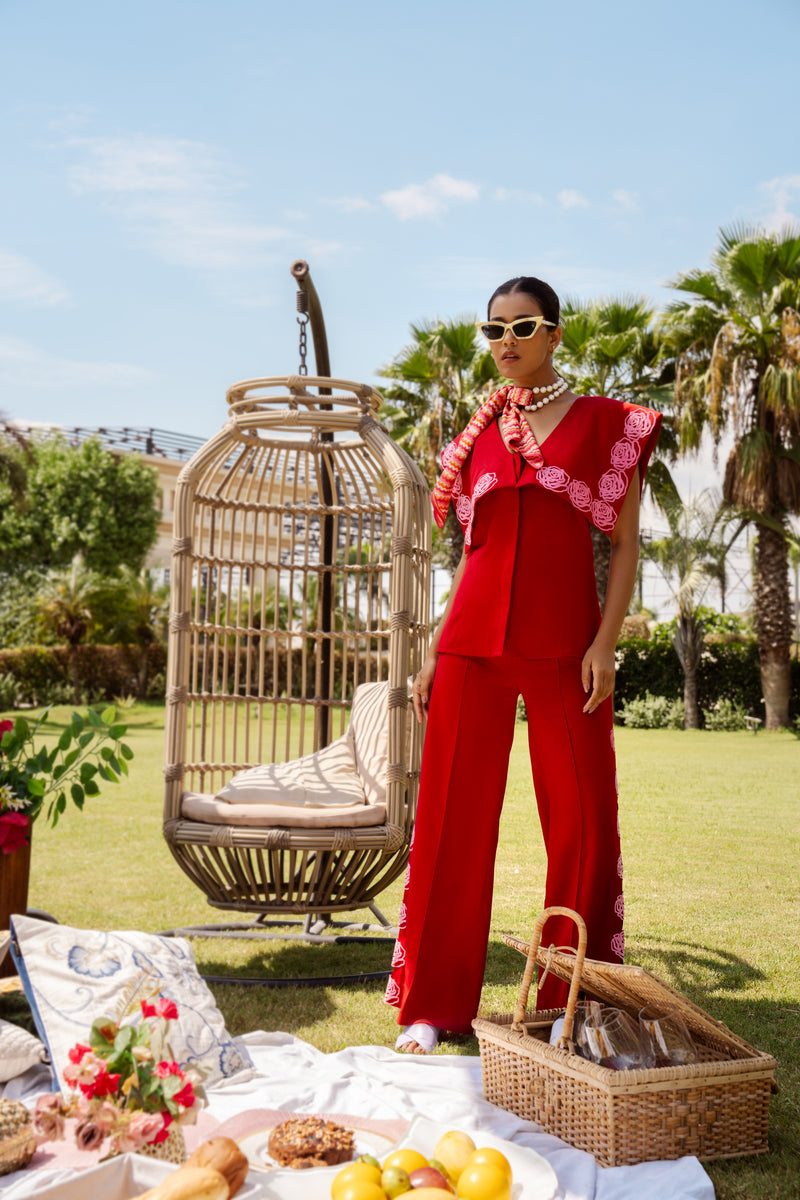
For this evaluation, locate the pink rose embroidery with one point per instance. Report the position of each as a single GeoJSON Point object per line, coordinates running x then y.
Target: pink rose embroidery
{"type": "Point", "coordinates": [612, 486]}
{"type": "Point", "coordinates": [463, 508]}
{"type": "Point", "coordinates": [553, 478]}
{"type": "Point", "coordinates": [639, 423]}
{"type": "Point", "coordinates": [624, 455]}
{"type": "Point", "coordinates": [458, 485]}
{"type": "Point", "coordinates": [579, 494]}
{"type": "Point", "coordinates": [392, 993]}
{"type": "Point", "coordinates": [484, 484]}
{"type": "Point", "coordinates": [603, 515]}
{"type": "Point", "coordinates": [619, 866]}
{"type": "Point", "coordinates": [619, 906]}
{"type": "Point", "coordinates": [399, 956]}
{"type": "Point", "coordinates": [618, 945]}
{"type": "Point", "coordinates": [401, 917]}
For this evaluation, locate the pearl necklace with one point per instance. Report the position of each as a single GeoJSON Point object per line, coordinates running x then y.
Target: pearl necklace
{"type": "Point", "coordinates": [551, 390]}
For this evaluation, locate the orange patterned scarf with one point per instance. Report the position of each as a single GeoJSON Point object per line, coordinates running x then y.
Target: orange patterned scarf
{"type": "Point", "coordinates": [505, 402]}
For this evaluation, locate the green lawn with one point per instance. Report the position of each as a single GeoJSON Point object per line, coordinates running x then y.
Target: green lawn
{"type": "Point", "coordinates": [710, 833]}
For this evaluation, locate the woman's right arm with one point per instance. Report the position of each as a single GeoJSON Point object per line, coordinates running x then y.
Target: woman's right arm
{"type": "Point", "coordinates": [423, 683]}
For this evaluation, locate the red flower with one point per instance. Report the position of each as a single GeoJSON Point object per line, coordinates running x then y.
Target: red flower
{"type": "Point", "coordinates": [13, 827]}
{"type": "Point", "coordinates": [165, 1008]}
{"type": "Point", "coordinates": [185, 1097]}
{"type": "Point", "coordinates": [162, 1137]}
{"type": "Point", "coordinates": [167, 1068]}
{"type": "Point", "coordinates": [5, 726]}
{"type": "Point", "coordinates": [77, 1052]}
{"type": "Point", "coordinates": [103, 1085]}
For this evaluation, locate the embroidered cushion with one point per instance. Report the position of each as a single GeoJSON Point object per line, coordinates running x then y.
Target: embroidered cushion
{"type": "Point", "coordinates": [19, 1050]}
{"type": "Point", "coordinates": [72, 976]}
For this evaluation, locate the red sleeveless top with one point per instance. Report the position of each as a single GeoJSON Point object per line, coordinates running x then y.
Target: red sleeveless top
{"type": "Point", "coordinates": [528, 586]}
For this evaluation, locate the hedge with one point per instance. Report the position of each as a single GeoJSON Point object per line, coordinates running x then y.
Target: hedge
{"type": "Point", "coordinates": [103, 671]}
{"type": "Point", "coordinates": [728, 670]}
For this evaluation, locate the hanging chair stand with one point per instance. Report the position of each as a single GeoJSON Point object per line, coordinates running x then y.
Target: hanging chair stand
{"type": "Point", "coordinates": [370, 858]}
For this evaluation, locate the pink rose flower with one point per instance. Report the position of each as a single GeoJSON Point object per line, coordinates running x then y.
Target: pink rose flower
{"type": "Point", "coordinates": [88, 1135]}
{"type": "Point", "coordinates": [579, 494]}
{"type": "Point", "coordinates": [603, 515]}
{"type": "Point", "coordinates": [166, 1119]}
{"type": "Point", "coordinates": [106, 1116]}
{"type": "Point", "coordinates": [612, 486]}
{"type": "Point", "coordinates": [142, 1129]}
{"type": "Point", "coordinates": [554, 478]}
{"type": "Point", "coordinates": [624, 455]}
{"type": "Point", "coordinates": [463, 508]}
{"type": "Point", "coordinates": [47, 1122]}
{"type": "Point", "coordinates": [639, 423]}
{"type": "Point", "coordinates": [13, 831]}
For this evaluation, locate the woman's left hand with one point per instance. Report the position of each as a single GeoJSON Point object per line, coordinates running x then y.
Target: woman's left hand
{"type": "Point", "coordinates": [597, 674]}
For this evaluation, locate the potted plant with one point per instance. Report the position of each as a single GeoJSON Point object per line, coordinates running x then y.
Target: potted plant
{"type": "Point", "coordinates": [38, 779]}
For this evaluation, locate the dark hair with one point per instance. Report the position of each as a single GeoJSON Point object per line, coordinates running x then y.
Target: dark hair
{"type": "Point", "coordinates": [531, 286]}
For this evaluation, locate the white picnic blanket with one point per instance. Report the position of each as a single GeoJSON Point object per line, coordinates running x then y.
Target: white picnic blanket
{"type": "Point", "coordinates": [375, 1082]}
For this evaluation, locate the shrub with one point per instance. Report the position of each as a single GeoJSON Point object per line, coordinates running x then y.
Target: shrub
{"type": "Point", "coordinates": [725, 716]}
{"type": "Point", "coordinates": [8, 692]}
{"type": "Point", "coordinates": [42, 673]}
{"type": "Point", "coordinates": [653, 712]}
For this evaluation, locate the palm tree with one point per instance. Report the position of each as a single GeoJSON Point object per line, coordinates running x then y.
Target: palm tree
{"type": "Point", "coordinates": [67, 603]}
{"type": "Point", "coordinates": [736, 348]}
{"type": "Point", "coordinates": [701, 532]}
{"type": "Point", "coordinates": [141, 616]}
{"type": "Point", "coordinates": [611, 347]}
{"type": "Point", "coordinates": [439, 380]}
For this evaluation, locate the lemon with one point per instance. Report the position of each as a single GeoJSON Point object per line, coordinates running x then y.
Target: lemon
{"type": "Point", "coordinates": [409, 1160]}
{"type": "Point", "coordinates": [452, 1150]}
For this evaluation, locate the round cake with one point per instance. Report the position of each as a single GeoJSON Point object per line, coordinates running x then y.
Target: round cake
{"type": "Point", "coordinates": [310, 1142]}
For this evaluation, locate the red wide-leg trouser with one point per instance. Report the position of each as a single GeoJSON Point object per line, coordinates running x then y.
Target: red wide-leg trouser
{"type": "Point", "coordinates": [445, 916]}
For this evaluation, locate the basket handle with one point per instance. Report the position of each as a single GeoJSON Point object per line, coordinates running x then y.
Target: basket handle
{"type": "Point", "coordinates": [517, 1025]}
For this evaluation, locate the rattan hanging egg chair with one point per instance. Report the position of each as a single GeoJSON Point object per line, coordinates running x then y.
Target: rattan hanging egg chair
{"type": "Point", "coordinates": [300, 570]}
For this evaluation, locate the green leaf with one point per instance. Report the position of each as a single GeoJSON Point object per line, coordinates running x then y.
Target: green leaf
{"type": "Point", "coordinates": [85, 738]}
{"type": "Point", "coordinates": [113, 762]}
{"type": "Point", "coordinates": [77, 794]}
{"type": "Point", "coordinates": [104, 773]}
{"type": "Point", "coordinates": [65, 739]}
{"type": "Point", "coordinates": [126, 751]}
{"type": "Point", "coordinates": [117, 731]}
{"type": "Point", "coordinates": [108, 715]}
{"type": "Point", "coordinates": [61, 803]}
{"type": "Point", "coordinates": [122, 767]}
{"type": "Point", "coordinates": [59, 770]}
{"type": "Point", "coordinates": [72, 757]}
{"type": "Point", "coordinates": [95, 720]}
{"type": "Point", "coordinates": [36, 787]}
{"type": "Point", "coordinates": [106, 753]}
{"type": "Point", "coordinates": [91, 788]}
{"type": "Point", "coordinates": [125, 1038]}
{"type": "Point", "coordinates": [88, 771]}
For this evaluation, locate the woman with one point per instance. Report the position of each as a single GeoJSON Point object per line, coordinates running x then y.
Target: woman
{"type": "Point", "coordinates": [533, 467]}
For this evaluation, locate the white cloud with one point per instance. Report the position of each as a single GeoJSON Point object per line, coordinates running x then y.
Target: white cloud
{"type": "Point", "coordinates": [23, 280]}
{"type": "Point", "coordinates": [348, 204]}
{"type": "Point", "coordinates": [782, 193]}
{"type": "Point", "coordinates": [517, 194]}
{"type": "Point", "coordinates": [629, 201]}
{"type": "Point", "coordinates": [23, 365]}
{"type": "Point", "coordinates": [177, 195]}
{"type": "Point", "coordinates": [430, 199]}
{"type": "Point", "coordinates": [570, 198]}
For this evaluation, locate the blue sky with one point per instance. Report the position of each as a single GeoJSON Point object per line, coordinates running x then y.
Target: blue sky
{"type": "Point", "coordinates": [164, 162]}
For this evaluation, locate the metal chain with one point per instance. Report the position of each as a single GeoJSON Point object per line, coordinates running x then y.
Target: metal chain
{"type": "Point", "coordinates": [302, 321]}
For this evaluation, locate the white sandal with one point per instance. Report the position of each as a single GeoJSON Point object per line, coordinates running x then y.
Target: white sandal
{"type": "Point", "coordinates": [426, 1036]}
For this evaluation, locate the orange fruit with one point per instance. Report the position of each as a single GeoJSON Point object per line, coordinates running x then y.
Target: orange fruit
{"type": "Point", "coordinates": [487, 1154]}
{"type": "Point", "coordinates": [354, 1172]}
{"type": "Point", "coordinates": [409, 1160]}
{"type": "Point", "coordinates": [483, 1181]}
{"type": "Point", "coordinates": [452, 1150]}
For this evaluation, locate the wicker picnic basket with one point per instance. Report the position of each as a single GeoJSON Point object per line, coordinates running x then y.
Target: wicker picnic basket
{"type": "Point", "coordinates": [714, 1108]}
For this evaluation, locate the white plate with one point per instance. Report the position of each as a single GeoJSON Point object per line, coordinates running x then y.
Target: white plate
{"type": "Point", "coordinates": [254, 1146]}
{"type": "Point", "coordinates": [534, 1178]}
